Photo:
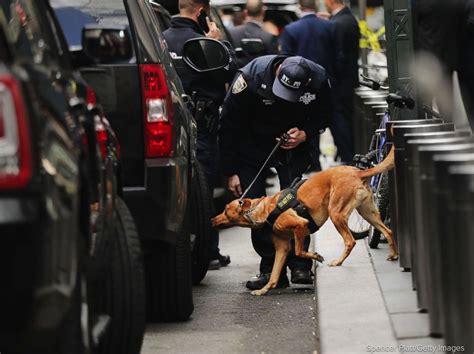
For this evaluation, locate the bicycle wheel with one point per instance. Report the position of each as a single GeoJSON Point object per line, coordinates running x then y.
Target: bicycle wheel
{"type": "Point", "coordinates": [358, 226]}
{"type": "Point", "coordinates": [383, 203]}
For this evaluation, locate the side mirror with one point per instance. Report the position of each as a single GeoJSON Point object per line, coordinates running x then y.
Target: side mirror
{"type": "Point", "coordinates": [105, 45]}
{"type": "Point", "coordinates": [252, 46]}
{"type": "Point", "coordinates": [205, 54]}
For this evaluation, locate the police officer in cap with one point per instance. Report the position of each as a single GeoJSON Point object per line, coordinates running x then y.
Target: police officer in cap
{"type": "Point", "coordinates": [208, 89]}
{"type": "Point", "coordinates": [272, 95]}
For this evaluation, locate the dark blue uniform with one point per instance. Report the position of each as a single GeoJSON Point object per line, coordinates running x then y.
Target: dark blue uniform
{"type": "Point", "coordinates": [208, 89]}
{"type": "Point", "coordinates": [252, 117]}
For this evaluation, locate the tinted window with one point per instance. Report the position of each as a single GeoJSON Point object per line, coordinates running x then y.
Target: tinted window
{"type": "Point", "coordinates": [29, 32]}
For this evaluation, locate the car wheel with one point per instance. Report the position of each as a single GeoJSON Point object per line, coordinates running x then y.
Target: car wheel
{"type": "Point", "coordinates": [168, 278]}
{"type": "Point", "coordinates": [123, 292]}
{"type": "Point", "coordinates": [201, 229]}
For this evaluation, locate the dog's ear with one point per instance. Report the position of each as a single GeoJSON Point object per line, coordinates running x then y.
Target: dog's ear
{"type": "Point", "coordinates": [245, 204]}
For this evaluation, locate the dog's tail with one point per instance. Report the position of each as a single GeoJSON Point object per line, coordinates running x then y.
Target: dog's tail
{"type": "Point", "coordinates": [386, 165]}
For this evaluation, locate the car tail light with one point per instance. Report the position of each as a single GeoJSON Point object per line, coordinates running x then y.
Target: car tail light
{"type": "Point", "coordinates": [15, 151]}
{"type": "Point", "coordinates": [101, 136]}
{"type": "Point", "coordinates": [157, 111]}
{"type": "Point", "coordinates": [91, 98]}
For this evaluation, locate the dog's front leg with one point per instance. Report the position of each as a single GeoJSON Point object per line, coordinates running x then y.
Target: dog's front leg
{"type": "Point", "coordinates": [282, 248]}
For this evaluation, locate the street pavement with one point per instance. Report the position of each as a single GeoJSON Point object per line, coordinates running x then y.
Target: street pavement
{"type": "Point", "coordinates": [227, 319]}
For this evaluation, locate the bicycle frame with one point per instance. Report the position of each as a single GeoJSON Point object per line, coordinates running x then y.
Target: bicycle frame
{"type": "Point", "coordinates": [378, 144]}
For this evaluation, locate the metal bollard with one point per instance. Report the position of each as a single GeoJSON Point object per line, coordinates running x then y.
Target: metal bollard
{"type": "Point", "coordinates": [457, 186]}
{"type": "Point", "coordinates": [431, 249]}
{"type": "Point", "coordinates": [391, 174]}
{"type": "Point", "coordinates": [449, 257]}
{"type": "Point", "coordinates": [411, 165]}
{"type": "Point", "coordinates": [400, 200]}
{"type": "Point", "coordinates": [416, 209]}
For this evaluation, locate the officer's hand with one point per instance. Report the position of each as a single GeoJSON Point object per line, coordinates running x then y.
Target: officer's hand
{"type": "Point", "coordinates": [296, 137]}
{"type": "Point", "coordinates": [233, 183]}
{"type": "Point", "coordinates": [214, 31]}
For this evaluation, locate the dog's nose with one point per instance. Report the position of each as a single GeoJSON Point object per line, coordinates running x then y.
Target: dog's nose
{"type": "Point", "coordinates": [218, 220]}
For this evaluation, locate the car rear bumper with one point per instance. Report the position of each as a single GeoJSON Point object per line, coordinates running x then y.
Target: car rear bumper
{"type": "Point", "coordinates": [18, 228]}
{"type": "Point", "coordinates": [159, 207]}
{"type": "Point", "coordinates": [25, 305]}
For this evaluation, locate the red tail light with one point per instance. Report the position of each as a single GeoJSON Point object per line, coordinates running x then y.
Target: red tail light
{"type": "Point", "coordinates": [157, 111]}
{"type": "Point", "coordinates": [91, 98]}
{"type": "Point", "coordinates": [15, 150]}
{"type": "Point", "coordinates": [101, 136]}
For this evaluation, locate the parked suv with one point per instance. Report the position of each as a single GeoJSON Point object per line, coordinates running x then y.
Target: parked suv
{"type": "Point", "coordinates": [71, 264]}
{"type": "Point", "coordinates": [164, 185]}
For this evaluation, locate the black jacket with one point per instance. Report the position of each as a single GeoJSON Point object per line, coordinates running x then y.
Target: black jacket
{"type": "Point", "coordinates": [347, 34]}
{"type": "Point", "coordinates": [208, 86]}
{"type": "Point", "coordinates": [253, 30]}
{"type": "Point", "coordinates": [252, 116]}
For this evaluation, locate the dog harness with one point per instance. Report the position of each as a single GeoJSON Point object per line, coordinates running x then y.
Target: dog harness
{"type": "Point", "coordinates": [288, 200]}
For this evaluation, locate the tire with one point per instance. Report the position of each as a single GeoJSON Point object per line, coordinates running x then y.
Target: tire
{"type": "Point", "coordinates": [168, 278]}
{"type": "Point", "coordinates": [358, 226]}
{"type": "Point", "coordinates": [123, 291]}
{"type": "Point", "coordinates": [202, 210]}
{"type": "Point", "coordinates": [383, 203]}
{"type": "Point", "coordinates": [70, 334]}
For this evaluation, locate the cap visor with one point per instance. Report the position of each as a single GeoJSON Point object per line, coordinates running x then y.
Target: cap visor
{"type": "Point", "coordinates": [285, 93]}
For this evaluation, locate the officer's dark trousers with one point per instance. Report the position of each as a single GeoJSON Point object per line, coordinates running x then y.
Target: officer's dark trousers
{"type": "Point", "coordinates": [207, 155]}
{"type": "Point", "coordinates": [342, 128]}
{"type": "Point", "coordinates": [262, 238]}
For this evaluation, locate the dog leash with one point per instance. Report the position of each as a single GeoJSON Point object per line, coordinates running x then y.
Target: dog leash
{"type": "Point", "coordinates": [283, 140]}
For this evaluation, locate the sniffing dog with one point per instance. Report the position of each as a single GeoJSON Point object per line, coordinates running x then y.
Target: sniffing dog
{"type": "Point", "coordinates": [333, 193]}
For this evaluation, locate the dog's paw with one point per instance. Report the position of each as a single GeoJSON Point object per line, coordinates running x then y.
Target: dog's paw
{"type": "Point", "coordinates": [335, 263]}
{"type": "Point", "coordinates": [258, 293]}
{"type": "Point", "coordinates": [392, 257]}
{"type": "Point", "coordinates": [318, 257]}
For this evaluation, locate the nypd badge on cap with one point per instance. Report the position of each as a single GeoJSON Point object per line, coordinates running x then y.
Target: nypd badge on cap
{"type": "Point", "coordinates": [293, 77]}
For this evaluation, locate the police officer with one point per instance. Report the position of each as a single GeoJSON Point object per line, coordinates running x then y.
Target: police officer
{"type": "Point", "coordinates": [208, 90]}
{"type": "Point", "coordinates": [272, 95]}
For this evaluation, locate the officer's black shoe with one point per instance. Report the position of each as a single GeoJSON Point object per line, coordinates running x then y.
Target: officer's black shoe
{"type": "Point", "coordinates": [224, 260]}
{"type": "Point", "coordinates": [261, 280]}
{"type": "Point", "coordinates": [301, 276]}
{"type": "Point", "coordinates": [214, 264]}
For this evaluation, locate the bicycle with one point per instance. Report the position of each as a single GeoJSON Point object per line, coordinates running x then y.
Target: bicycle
{"type": "Point", "coordinates": [377, 152]}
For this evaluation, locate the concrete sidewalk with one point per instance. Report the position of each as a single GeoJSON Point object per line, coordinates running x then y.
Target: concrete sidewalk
{"type": "Point", "coordinates": [367, 304]}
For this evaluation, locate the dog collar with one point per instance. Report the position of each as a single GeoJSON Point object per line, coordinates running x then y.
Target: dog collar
{"type": "Point", "coordinates": [248, 214]}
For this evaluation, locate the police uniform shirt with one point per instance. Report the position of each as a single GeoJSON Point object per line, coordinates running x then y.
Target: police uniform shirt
{"type": "Point", "coordinates": [253, 117]}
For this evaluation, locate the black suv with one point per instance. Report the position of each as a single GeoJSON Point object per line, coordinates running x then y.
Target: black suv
{"type": "Point", "coordinates": [70, 261]}
{"type": "Point", "coordinates": [164, 186]}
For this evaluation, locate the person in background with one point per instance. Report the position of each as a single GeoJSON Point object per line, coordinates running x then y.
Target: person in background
{"type": "Point", "coordinates": [312, 38]}
{"type": "Point", "coordinates": [252, 28]}
{"type": "Point", "coordinates": [208, 89]}
{"type": "Point", "coordinates": [347, 35]}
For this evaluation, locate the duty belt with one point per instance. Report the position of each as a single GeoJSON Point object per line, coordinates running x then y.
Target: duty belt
{"type": "Point", "coordinates": [207, 113]}
{"type": "Point", "coordinates": [288, 200]}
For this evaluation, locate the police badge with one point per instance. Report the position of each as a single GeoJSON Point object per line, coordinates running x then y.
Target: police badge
{"type": "Point", "coordinates": [239, 85]}
{"type": "Point", "coordinates": [307, 98]}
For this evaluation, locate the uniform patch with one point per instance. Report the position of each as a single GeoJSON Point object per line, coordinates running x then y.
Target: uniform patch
{"type": "Point", "coordinates": [307, 98]}
{"type": "Point", "coordinates": [239, 85]}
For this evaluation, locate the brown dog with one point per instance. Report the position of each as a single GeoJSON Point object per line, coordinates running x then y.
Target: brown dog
{"type": "Point", "coordinates": [333, 193]}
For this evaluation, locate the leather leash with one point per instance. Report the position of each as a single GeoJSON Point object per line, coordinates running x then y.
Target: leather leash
{"type": "Point", "coordinates": [283, 139]}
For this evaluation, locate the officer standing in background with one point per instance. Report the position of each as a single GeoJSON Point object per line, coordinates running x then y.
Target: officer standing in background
{"type": "Point", "coordinates": [312, 38]}
{"type": "Point", "coordinates": [272, 95]}
{"type": "Point", "coordinates": [208, 89]}
{"type": "Point", "coordinates": [347, 35]}
{"type": "Point", "coordinates": [253, 28]}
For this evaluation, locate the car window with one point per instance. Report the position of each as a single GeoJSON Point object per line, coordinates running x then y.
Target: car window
{"type": "Point", "coordinates": [29, 32]}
